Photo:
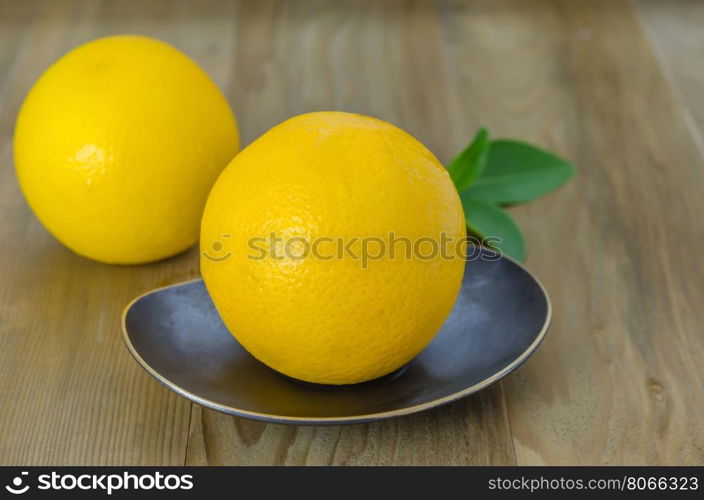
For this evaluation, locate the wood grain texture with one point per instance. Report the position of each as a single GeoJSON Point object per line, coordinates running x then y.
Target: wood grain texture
{"type": "Point", "coordinates": [675, 28]}
{"type": "Point", "coordinates": [471, 432]}
{"type": "Point", "coordinates": [618, 379]}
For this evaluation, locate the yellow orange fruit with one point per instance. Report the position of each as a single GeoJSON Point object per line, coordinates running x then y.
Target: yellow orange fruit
{"type": "Point", "coordinates": [117, 146]}
{"type": "Point", "coordinates": [328, 177]}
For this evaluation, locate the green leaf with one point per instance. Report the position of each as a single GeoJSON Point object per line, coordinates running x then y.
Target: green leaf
{"type": "Point", "coordinates": [516, 172]}
{"type": "Point", "coordinates": [469, 164]}
{"type": "Point", "coordinates": [490, 221]}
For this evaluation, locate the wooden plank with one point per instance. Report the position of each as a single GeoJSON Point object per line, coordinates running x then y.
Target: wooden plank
{"type": "Point", "coordinates": [618, 379]}
{"type": "Point", "coordinates": [71, 393]}
{"type": "Point", "coordinates": [471, 432]}
{"type": "Point", "coordinates": [675, 28]}
{"type": "Point", "coordinates": [379, 58]}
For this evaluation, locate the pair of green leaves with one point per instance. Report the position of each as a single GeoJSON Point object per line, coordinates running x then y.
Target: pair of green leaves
{"type": "Point", "coordinates": [492, 173]}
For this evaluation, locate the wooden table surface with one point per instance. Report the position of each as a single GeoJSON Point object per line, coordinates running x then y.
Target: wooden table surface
{"type": "Point", "coordinates": [613, 85]}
